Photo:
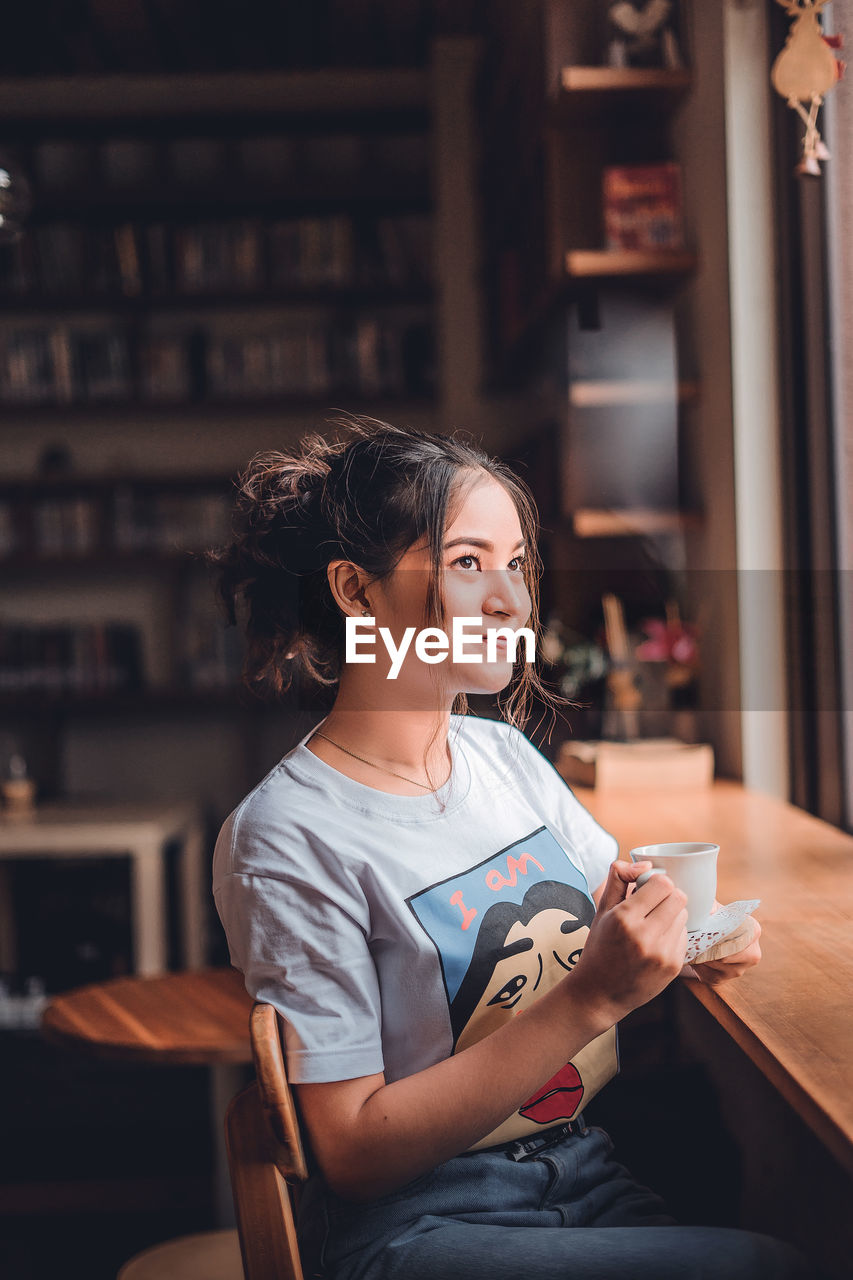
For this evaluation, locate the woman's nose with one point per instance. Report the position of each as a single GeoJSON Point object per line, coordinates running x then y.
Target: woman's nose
{"type": "Point", "coordinates": [505, 592]}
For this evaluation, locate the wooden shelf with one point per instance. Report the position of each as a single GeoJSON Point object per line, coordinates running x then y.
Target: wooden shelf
{"type": "Point", "coordinates": [213, 410]}
{"type": "Point", "coordinates": [154, 700]}
{"type": "Point", "coordinates": [17, 566]}
{"type": "Point", "coordinates": [349, 297]}
{"type": "Point", "coordinates": [602, 394]}
{"type": "Point", "coordinates": [595, 91]}
{"type": "Point", "coordinates": [380, 194]}
{"type": "Point", "coordinates": [112, 99]}
{"type": "Point", "coordinates": [631, 522]}
{"type": "Point", "coordinates": [613, 264]}
{"type": "Point", "coordinates": [72, 484]}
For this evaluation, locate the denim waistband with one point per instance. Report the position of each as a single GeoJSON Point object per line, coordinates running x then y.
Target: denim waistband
{"type": "Point", "coordinates": [525, 1148]}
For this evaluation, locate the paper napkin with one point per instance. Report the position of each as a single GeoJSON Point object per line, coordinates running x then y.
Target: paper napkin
{"type": "Point", "coordinates": [725, 924]}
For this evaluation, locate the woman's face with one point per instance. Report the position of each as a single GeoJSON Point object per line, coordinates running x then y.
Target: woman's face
{"type": "Point", "coordinates": [483, 578]}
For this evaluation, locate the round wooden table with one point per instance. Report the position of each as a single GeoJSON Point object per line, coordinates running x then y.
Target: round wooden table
{"type": "Point", "coordinates": [195, 1017]}
{"type": "Point", "coordinates": [198, 1017]}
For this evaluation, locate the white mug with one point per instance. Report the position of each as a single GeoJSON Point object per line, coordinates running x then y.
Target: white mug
{"type": "Point", "coordinates": [692, 868]}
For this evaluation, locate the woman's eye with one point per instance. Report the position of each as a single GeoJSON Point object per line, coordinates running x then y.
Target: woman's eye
{"type": "Point", "coordinates": [510, 993]}
{"type": "Point", "coordinates": [516, 564]}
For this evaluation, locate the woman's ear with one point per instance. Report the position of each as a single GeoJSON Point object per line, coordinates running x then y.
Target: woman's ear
{"type": "Point", "coordinates": [347, 583]}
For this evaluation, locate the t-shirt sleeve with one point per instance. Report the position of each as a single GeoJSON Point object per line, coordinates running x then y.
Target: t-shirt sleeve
{"type": "Point", "coordinates": [573, 825]}
{"type": "Point", "coordinates": [303, 948]}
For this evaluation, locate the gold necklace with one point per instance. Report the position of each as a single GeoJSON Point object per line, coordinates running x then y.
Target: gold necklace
{"type": "Point", "coordinates": [413, 781]}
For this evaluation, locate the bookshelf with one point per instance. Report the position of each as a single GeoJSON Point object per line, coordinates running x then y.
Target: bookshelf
{"type": "Point", "coordinates": [171, 735]}
{"type": "Point", "coordinates": [597, 330]}
{"type": "Point", "coordinates": [219, 248]}
{"type": "Point", "coordinates": [583, 92]}
{"type": "Point", "coordinates": [194, 239]}
{"type": "Point", "coordinates": [208, 239]}
{"type": "Point", "coordinates": [76, 534]}
{"type": "Point", "coordinates": [613, 264]}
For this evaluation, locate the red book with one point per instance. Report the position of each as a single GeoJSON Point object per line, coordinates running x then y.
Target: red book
{"type": "Point", "coordinates": [643, 207]}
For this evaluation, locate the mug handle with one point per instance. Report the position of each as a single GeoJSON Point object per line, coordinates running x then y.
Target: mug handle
{"type": "Point", "coordinates": [647, 875]}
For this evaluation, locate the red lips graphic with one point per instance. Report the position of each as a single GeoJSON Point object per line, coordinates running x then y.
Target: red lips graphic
{"type": "Point", "coordinates": [557, 1100]}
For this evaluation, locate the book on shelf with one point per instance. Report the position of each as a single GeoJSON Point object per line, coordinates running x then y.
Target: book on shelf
{"type": "Point", "coordinates": [8, 531]}
{"type": "Point", "coordinates": [651, 763]}
{"type": "Point", "coordinates": [212, 654]}
{"type": "Point", "coordinates": [102, 365]}
{"type": "Point", "coordinates": [218, 256]}
{"type": "Point", "coordinates": [78, 658]}
{"type": "Point", "coordinates": [369, 356]}
{"type": "Point", "coordinates": [150, 520]}
{"type": "Point", "coordinates": [27, 373]}
{"type": "Point", "coordinates": [293, 361]}
{"type": "Point", "coordinates": [311, 251]}
{"type": "Point", "coordinates": [129, 274]}
{"type": "Point", "coordinates": [643, 207]}
{"type": "Point", "coordinates": [62, 259]}
{"type": "Point", "coordinates": [234, 255]}
{"type": "Point", "coordinates": [165, 368]}
{"type": "Point", "coordinates": [56, 365]}
{"type": "Point", "coordinates": [62, 359]}
{"type": "Point", "coordinates": [405, 249]}
{"type": "Point", "coordinates": [67, 526]}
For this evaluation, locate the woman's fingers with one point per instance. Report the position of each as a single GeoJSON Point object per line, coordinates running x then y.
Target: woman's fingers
{"type": "Point", "coordinates": [664, 920]}
{"type": "Point", "coordinates": [675, 932]}
{"type": "Point", "coordinates": [620, 877]}
{"type": "Point", "coordinates": [657, 894]}
{"type": "Point", "coordinates": [733, 966]}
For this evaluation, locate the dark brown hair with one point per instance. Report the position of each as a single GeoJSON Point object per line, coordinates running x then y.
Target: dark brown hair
{"type": "Point", "coordinates": [366, 495]}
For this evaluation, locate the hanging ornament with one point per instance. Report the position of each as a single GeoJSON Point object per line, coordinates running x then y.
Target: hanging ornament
{"type": "Point", "coordinates": [804, 72]}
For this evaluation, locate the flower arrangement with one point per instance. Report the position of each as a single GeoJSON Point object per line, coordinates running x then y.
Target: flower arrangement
{"type": "Point", "coordinates": [637, 679]}
{"type": "Point", "coordinates": [675, 643]}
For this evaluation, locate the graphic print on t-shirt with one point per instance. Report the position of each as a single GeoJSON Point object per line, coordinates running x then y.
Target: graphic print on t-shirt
{"type": "Point", "coordinates": [506, 931]}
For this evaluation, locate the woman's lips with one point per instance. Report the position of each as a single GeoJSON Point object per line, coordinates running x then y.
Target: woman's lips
{"type": "Point", "coordinates": [559, 1099]}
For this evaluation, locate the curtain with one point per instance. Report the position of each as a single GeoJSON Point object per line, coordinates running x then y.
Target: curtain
{"type": "Point", "coordinates": [815, 239]}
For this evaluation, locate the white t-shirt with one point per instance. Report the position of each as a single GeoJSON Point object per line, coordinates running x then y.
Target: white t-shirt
{"type": "Point", "coordinates": [390, 932]}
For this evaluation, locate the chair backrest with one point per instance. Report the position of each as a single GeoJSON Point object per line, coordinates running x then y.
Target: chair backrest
{"type": "Point", "coordinates": [266, 1159]}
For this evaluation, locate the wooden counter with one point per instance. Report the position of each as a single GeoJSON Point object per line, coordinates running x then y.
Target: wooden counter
{"type": "Point", "coordinates": [793, 1014]}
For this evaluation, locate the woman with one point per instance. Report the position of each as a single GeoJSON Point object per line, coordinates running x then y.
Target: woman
{"type": "Point", "coordinates": [410, 879]}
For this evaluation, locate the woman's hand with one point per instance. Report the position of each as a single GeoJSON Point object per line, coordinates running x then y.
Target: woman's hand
{"type": "Point", "coordinates": [636, 942]}
{"type": "Point", "coordinates": [713, 972]}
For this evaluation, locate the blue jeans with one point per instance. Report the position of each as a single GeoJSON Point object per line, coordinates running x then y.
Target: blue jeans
{"type": "Point", "coordinates": [567, 1211]}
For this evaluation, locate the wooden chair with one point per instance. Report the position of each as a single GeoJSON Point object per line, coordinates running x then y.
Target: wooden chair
{"type": "Point", "coordinates": [266, 1159]}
